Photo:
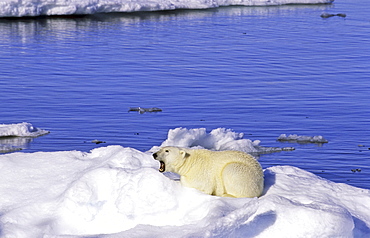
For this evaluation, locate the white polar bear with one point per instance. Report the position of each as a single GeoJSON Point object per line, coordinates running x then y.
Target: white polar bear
{"type": "Point", "coordinates": [221, 173]}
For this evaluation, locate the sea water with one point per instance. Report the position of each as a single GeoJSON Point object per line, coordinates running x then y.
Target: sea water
{"type": "Point", "coordinates": [261, 71]}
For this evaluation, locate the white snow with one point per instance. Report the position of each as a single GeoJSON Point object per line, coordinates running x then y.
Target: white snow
{"type": "Point", "coordinates": [118, 192]}
{"type": "Point", "coordinates": [302, 139]}
{"type": "Point", "coordinates": [21, 129]}
{"type": "Point", "coordinates": [17, 8]}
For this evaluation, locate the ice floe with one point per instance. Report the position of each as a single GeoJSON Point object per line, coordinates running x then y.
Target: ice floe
{"type": "Point", "coordinates": [16, 8]}
{"type": "Point", "coordinates": [302, 139]}
{"type": "Point", "coordinates": [15, 137]}
{"type": "Point", "coordinates": [21, 129]}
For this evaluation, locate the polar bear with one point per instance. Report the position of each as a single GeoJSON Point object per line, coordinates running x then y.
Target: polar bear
{"type": "Point", "coordinates": [221, 173]}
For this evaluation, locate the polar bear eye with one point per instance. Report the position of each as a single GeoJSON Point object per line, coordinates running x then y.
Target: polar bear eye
{"type": "Point", "coordinates": [166, 151]}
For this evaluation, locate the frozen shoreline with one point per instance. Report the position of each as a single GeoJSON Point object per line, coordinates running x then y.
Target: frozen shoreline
{"type": "Point", "coordinates": [117, 191]}
{"type": "Point", "coordinates": [31, 8]}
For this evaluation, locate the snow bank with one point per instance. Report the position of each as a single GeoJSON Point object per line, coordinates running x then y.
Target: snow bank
{"type": "Point", "coordinates": [118, 192]}
{"type": "Point", "coordinates": [16, 8]}
{"type": "Point", "coordinates": [217, 139]}
{"type": "Point", "coordinates": [21, 129]}
{"type": "Point", "coordinates": [302, 139]}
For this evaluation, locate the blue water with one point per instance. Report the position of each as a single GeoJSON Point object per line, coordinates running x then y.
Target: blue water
{"type": "Point", "coordinates": [263, 71]}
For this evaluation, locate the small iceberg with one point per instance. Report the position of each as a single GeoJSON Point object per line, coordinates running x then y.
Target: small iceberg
{"type": "Point", "coordinates": [302, 139]}
{"type": "Point", "coordinates": [23, 129]}
{"type": "Point", "coordinates": [95, 142]}
{"type": "Point", "coordinates": [14, 137]}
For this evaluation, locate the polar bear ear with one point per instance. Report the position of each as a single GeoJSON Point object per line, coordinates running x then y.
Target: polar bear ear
{"type": "Point", "coordinates": [183, 154]}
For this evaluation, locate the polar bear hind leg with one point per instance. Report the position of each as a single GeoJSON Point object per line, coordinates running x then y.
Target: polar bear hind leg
{"type": "Point", "coordinates": [240, 181]}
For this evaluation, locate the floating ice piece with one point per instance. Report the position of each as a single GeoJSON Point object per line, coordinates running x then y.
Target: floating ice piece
{"type": "Point", "coordinates": [14, 137]}
{"type": "Point", "coordinates": [302, 139]}
{"type": "Point", "coordinates": [21, 129]}
{"type": "Point", "coordinates": [95, 141]}
{"type": "Point", "coordinates": [17, 8]}
{"type": "Point", "coordinates": [142, 110]}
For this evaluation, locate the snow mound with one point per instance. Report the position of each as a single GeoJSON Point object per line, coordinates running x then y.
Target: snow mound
{"type": "Point", "coordinates": [118, 192]}
{"type": "Point", "coordinates": [16, 8]}
{"type": "Point", "coordinates": [21, 129]}
{"type": "Point", "coordinates": [217, 139]}
{"type": "Point", "coordinates": [302, 139]}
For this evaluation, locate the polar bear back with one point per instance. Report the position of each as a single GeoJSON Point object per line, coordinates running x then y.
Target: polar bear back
{"type": "Point", "coordinates": [223, 173]}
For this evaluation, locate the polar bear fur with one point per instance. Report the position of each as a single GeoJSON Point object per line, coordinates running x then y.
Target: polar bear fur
{"type": "Point", "coordinates": [221, 173]}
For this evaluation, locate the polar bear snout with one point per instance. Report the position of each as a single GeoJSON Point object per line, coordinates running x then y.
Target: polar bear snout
{"type": "Point", "coordinates": [162, 166]}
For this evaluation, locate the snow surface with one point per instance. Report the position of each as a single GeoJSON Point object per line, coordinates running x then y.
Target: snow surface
{"type": "Point", "coordinates": [14, 137]}
{"type": "Point", "coordinates": [17, 8]}
{"type": "Point", "coordinates": [302, 139]}
{"type": "Point", "coordinates": [118, 192]}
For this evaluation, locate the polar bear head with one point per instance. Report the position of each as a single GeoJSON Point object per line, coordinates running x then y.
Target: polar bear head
{"type": "Point", "coordinates": [170, 158]}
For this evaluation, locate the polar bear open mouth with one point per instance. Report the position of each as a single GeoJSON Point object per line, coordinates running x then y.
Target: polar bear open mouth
{"type": "Point", "coordinates": [162, 167]}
